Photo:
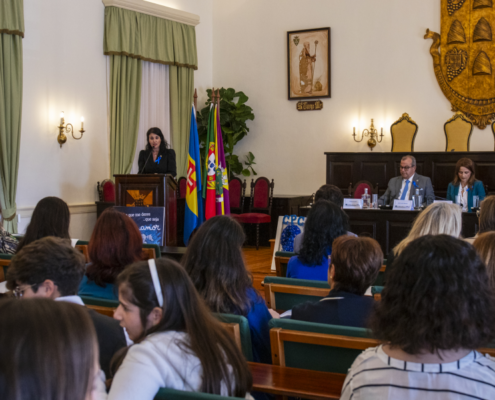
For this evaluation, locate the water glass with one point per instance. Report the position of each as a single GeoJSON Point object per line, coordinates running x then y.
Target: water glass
{"type": "Point", "coordinates": [476, 201]}
{"type": "Point", "coordinates": [457, 199]}
{"type": "Point", "coordinates": [375, 201]}
{"type": "Point", "coordinates": [416, 198]}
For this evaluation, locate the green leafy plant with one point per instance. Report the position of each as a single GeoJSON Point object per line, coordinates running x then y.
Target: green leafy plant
{"type": "Point", "coordinates": [234, 114]}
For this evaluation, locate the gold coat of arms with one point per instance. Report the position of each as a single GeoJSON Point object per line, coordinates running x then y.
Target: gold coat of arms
{"type": "Point", "coordinates": [462, 57]}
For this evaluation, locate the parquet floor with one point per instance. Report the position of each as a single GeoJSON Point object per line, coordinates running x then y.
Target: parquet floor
{"type": "Point", "coordinates": [258, 262]}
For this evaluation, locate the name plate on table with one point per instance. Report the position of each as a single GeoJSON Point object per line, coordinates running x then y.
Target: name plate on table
{"type": "Point", "coordinates": [403, 205]}
{"type": "Point", "coordinates": [353, 204]}
{"type": "Point", "coordinates": [443, 201]}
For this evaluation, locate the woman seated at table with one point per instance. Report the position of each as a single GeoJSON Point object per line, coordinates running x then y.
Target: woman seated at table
{"type": "Point", "coordinates": [437, 308]}
{"type": "Point", "coordinates": [115, 243]}
{"type": "Point", "coordinates": [326, 222]}
{"type": "Point", "coordinates": [465, 185]}
{"type": "Point", "coordinates": [436, 219]}
{"type": "Point", "coordinates": [157, 158]}
{"type": "Point", "coordinates": [356, 262]}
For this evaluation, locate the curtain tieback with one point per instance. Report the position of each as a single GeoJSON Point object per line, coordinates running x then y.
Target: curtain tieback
{"type": "Point", "coordinates": [9, 214]}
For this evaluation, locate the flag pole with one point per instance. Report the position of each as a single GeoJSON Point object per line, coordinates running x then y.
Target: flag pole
{"type": "Point", "coordinates": [196, 99]}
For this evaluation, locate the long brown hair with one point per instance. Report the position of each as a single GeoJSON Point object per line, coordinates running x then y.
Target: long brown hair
{"type": "Point", "coordinates": [48, 350]}
{"type": "Point", "coordinates": [466, 163]}
{"type": "Point", "coordinates": [215, 264]}
{"type": "Point", "coordinates": [185, 311]}
{"type": "Point", "coordinates": [484, 245]}
{"type": "Point", "coordinates": [115, 243]}
{"type": "Point", "coordinates": [487, 215]}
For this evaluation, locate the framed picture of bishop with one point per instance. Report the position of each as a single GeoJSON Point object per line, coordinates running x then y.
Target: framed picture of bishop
{"type": "Point", "coordinates": [308, 62]}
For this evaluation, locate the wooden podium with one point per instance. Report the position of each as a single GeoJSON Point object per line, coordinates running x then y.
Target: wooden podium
{"type": "Point", "coordinates": [150, 190]}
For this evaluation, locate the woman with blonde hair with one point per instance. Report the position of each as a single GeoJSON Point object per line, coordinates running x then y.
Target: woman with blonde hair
{"type": "Point", "coordinates": [436, 219]}
{"type": "Point", "coordinates": [485, 246]}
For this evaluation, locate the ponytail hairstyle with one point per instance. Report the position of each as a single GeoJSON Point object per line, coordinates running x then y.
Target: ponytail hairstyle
{"type": "Point", "coordinates": [185, 311]}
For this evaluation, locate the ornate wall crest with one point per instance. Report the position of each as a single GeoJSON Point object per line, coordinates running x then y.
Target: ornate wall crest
{"type": "Point", "coordinates": [462, 57]}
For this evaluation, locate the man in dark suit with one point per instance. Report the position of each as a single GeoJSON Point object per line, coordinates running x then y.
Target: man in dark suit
{"type": "Point", "coordinates": [403, 187]}
{"type": "Point", "coordinates": [52, 268]}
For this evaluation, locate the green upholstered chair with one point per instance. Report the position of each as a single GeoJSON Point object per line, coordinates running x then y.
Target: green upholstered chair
{"type": "Point", "coordinates": [319, 347]}
{"type": "Point", "coordinates": [95, 301]}
{"type": "Point", "coordinates": [172, 394]}
{"type": "Point", "coordinates": [239, 327]}
{"type": "Point", "coordinates": [158, 253]}
{"type": "Point", "coordinates": [376, 289]}
{"type": "Point", "coordinates": [380, 279]}
{"type": "Point", "coordinates": [285, 293]}
{"type": "Point", "coordinates": [4, 265]}
{"type": "Point", "coordinates": [281, 260]}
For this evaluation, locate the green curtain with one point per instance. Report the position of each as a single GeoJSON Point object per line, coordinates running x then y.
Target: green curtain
{"type": "Point", "coordinates": [181, 98]}
{"type": "Point", "coordinates": [11, 34]}
{"type": "Point", "coordinates": [149, 38]}
{"type": "Point", "coordinates": [125, 100]}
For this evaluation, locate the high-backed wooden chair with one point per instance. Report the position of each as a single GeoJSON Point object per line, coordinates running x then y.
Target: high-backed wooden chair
{"type": "Point", "coordinates": [237, 193]}
{"type": "Point", "coordinates": [403, 133]}
{"type": "Point", "coordinates": [238, 327]}
{"type": "Point", "coordinates": [356, 191]}
{"type": "Point", "coordinates": [182, 187]}
{"type": "Point", "coordinates": [458, 131]}
{"type": "Point", "coordinates": [260, 207]}
{"type": "Point", "coordinates": [318, 347]}
{"type": "Point", "coordinates": [106, 191]}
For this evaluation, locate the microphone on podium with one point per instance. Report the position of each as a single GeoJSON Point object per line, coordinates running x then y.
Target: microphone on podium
{"type": "Point", "coordinates": [146, 162]}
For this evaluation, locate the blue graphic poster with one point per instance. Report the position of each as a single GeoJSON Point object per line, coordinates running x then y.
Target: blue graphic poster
{"type": "Point", "coordinates": [150, 221]}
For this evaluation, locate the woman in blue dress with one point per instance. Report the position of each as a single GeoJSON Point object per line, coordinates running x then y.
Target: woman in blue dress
{"type": "Point", "coordinates": [326, 221]}
{"type": "Point", "coordinates": [465, 185]}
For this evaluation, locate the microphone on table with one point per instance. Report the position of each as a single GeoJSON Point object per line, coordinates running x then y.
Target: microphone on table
{"type": "Point", "coordinates": [146, 162]}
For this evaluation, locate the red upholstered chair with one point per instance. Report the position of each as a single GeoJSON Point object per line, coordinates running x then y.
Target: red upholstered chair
{"type": "Point", "coordinates": [260, 208]}
{"type": "Point", "coordinates": [358, 190]}
{"type": "Point", "coordinates": [237, 191]}
{"type": "Point", "coordinates": [106, 191]}
{"type": "Point", "coordinates": [182, 187]}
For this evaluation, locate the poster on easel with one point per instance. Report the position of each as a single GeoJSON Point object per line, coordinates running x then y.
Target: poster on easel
{"type": "Point", "coordinates": [150, 221]}
{"type": "Point", "coordinates": [288, 227]}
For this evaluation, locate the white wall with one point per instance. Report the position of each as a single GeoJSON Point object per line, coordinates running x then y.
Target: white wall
{"type": "Point", "coordinates": [65, 69]}
{"type": "Point", "coordinates": [381, 68]}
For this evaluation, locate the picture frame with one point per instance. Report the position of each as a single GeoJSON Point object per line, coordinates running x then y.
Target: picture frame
{"type": "Point", "coordinates": [309, 64]}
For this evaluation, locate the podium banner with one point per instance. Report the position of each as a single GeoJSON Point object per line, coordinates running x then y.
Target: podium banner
{"type": "Point", "coordinates": [150, 221]}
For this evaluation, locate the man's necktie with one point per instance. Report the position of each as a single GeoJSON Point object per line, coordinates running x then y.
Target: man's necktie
{"type": "Point", "coordinates": [404, 192]}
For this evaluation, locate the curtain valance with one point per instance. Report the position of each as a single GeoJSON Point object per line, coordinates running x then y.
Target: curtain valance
{"type": "Point", "coordinates": [149, 38]}
{"type": "Point", "coordinates": [12, 17]}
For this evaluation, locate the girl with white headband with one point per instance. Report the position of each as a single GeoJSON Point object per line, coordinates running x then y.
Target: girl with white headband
{"type": "Point", "coordinates": [178, 343]}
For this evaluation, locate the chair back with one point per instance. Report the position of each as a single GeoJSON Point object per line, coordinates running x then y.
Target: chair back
{"type": "Point", "coordinates": [107, 191]}
{"type": "Point", "coordinates": [376, 292]}
{"type": "Point", "coordinates": [182, 187]}
{"type": "Point", "coordinates": [150, 251]}
{"type": "Point", "coordinates": [358, 189]}
{"type": "Point", "coordinates": [261, 195]}
{"type": "Point", "coordinates": [380, 279]}
{"type": "Point", "coordinates": [172, 394]}
{"type": "Point", "coordinates": [237, 192]}
{"type": "Point", "coordinates": [318, 347]}
{"type": "Point", "coordinates": [403, 133]}
{"type": "Point", "coordinates": [458, 131]}
{"type": "Point", "coordinates": [284, 293]}
{"type": "Point", "coordinates": [238, 327]}
{"type": "Point", "coordinates": [281, 260]}
{"type": "Point", "coordinates": [5, 260]}
{"type": "Point", "coordinates": [96, 301]}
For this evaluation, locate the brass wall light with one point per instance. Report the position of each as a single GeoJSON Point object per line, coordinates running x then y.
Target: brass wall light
{"type": "Point", "coordinates": [373, 136]}
{"type": "Point", "coordinates": [63, 127]}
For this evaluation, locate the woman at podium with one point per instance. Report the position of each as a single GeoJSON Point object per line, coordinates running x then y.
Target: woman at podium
{"type": "Point", "coordinates": [157, 158]}
{"type": "Point", "coordinates": [464, 186]}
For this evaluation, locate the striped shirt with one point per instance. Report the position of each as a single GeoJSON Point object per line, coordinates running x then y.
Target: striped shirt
{"type": "Point", "coordinates": [375, 375]}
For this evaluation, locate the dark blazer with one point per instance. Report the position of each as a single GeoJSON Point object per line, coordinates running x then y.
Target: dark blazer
{"type": "Point", "coordinates": [420, 182]}
{"type": "Point", "coordinates": [166, 165]}
{"type": "Point", "coordinates": [477, 190]}
{"type": "Point", "coordinates": [110, 336]}
{"type": "Point", "coordinates": [350, 310]}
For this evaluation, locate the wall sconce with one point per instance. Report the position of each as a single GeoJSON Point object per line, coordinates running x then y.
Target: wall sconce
{"type": "Point", "coordinates": [69, 129]}
{"type": "Point", "coordinates": [373, 136]}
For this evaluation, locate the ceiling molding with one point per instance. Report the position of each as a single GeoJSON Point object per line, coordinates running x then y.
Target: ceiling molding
{"type": "Point", "coordinates": [156, 10]}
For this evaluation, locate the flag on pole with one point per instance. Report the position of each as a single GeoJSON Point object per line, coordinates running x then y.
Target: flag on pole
{"type": "Point", "coordinates": [222, 182]}
{"type": "Point", "coordinates": [211, 165]}
{"type": "Point", "coordinates": [193, 217]}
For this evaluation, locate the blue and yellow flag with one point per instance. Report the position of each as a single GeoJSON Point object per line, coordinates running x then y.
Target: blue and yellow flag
{"type": "Point", "coordinates": [194, 215]}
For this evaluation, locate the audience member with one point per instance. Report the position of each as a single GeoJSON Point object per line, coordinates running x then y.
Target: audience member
{"type": "Point", "coordinates": [436, 310]}
{"type": "Point", "coordinates": [326, 222]}
{"type": "Point", "coordinates": [115, 243]}
{"type": "Point", "coordinates": [8, 243]}
{"type": "Point", "coordinates": [355, 266]}
{"type": "Point", "coordinates": [51, 217]}
{"type": "Point", "coordinates": [180, 345]}
{"type": "Point", "coordinates": [485, 246]}
{"type": "Point", "coordinates": [327, 192]}
{"type": "Point", "coordinates": [486, 217]}
{"type": "Point", "coordinates": [47, 351]}
{"type": "Point", "coordinates": [436, 219]}
{"type": "Point", "coordinates": [215, 263]}
{"type": "Point", "coordinates": [51, 268]}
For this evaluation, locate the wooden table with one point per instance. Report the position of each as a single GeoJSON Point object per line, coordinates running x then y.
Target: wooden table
{"type": "Point", "coordinates": [296, 382]}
